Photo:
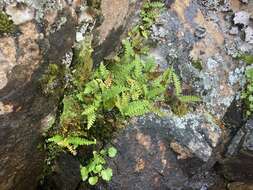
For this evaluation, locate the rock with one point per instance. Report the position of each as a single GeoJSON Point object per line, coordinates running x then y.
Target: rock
{"type": "Point", "coordinates": [234, 30]}
{"type": "Point", "coordinates": [161, 153]}
{"type": "Point", "coordinates": [24, 108]}
{"type": "Point", "coordinates": [65, 174]}
{"type": "Point", "coordinates": [165, 153]}
{"type": "Point", "coordinates": [242, 18]}
{"type": "Point", "coordinates": [249, 35]}
{"type": "Point", "coordinates": [238, 166]}
{"type": "Point", "coordinates": [244, 1]}
{"type": "Point", "coordinates": [117, 14]}
{"type": "Point", "coordinates": [20, 13]}
{"type": "Point", "coordinates": [240, 186]}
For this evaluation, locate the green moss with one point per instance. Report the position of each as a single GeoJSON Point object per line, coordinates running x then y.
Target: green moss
{"type": "Point", "coordinates": [83, 62]}
{"type": "Point", "coordinates": [197, 64]}
{"type": "Point", "coordinates": [6, 24]}
{"type": "Point", "coordinates": [52, 82]}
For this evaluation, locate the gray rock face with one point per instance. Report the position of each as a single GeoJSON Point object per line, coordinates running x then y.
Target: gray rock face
{"type": "Point", "coordinates": [242, 18]}
{"type": "Point", "coordinates": [156, 153]}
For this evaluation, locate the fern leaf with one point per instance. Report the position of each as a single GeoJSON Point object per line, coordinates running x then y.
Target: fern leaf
{"type": "Point", "coordinates": [153, 93]}
{"type": "Point", "coordinates": [128, 49]}
{"type": "Point", "coordinates": [91, 118]}
{"type": "Point", "coordinates": [103, 72]}
{"type": "Point", "coordinates": [112, 92]}
{"type": "Point", "coordinates": [91, 87]}
{"type": "Point", "coordinates": [136, 108]}
{"type": "Point", "coordinates": [56, 139]}
{"type": "Point", "coordinates": [177, 84]}
{"type": "Point", "coordinates": [156, 5]}
{"type": "Point", "coordinates": [189, 99]}
{"type": "Point", "coordinates": [78, 141]}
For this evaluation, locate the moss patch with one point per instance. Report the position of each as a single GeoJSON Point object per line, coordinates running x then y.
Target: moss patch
{"type": "Point", "coordinates": [6, 24]}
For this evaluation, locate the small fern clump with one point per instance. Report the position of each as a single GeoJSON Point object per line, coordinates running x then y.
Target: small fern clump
{"type": "Point", "coordinates": [247, 94]}
{"type": "Point", "coordinates": [6, 24]}
{"type": "Point", "coordinates": [70, 142]}
{"type": "Point", "coordinates": [128, 87]}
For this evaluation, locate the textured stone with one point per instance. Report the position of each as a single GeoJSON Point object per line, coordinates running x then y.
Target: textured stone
{"type": "Point", "coordinates": [159, 153]}
{"type": "Point", "coordinates": [249, 35]}
{"type": "Point", "coordinates": [24, 57]}
{"type": "Point", "coordinates": [242, 18]}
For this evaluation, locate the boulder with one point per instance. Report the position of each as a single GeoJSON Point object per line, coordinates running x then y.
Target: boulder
{"type": "Point", "coordinates": [45, 33]}
{"type": "Point", "coordinates": [24, 109]}
{"type": "Point", "coordinates": [237, 166]}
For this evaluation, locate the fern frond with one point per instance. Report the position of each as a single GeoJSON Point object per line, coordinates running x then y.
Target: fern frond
{"type": "Point", "coordinates": [91, 87]}
{"type": "Point", "coordinates": [136, 108]}
{"type": "Point", "coordinates": [129, 52]}
{"type": "Point", "coordinates": [189, 99]}
{"type": "Point", "coordinates": [112, 92]}
{"type": "Point", "coordinates": [78, 141]}
{"type": "Point", "coordinates": [177, 84]}
{"type": "Point", "coordinates": [103, 72]}
{"type": "Point", "coordinates": [153, 93]}
{"type": "Point", "coordinates": [156, 5]}
{"type": "Point", "coordinates": [91, 118]}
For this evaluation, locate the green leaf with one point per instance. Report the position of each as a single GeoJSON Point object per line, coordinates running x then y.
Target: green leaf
{"type": "Point", "coordinates": [93, 180]}
{"type": "Point", "coordinates": [84, 173]}
{"type": "Point", "coordinates": [112, 152]}
{"type": "Point", "coordinates": [98, 168]}
{"type": "Point", "coordinates": [106, 174]}
{"type": "Point", "coordinates": [55, 139]}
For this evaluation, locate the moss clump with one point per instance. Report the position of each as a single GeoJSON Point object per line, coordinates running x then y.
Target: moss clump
{"type": "Point", "coordinates": [82, 62]}
{"type": "Point", "coordinates": [197, 64]}
{"type": "Point", "coordinates": [6, 24]}
{"type": "Point", "coordinates": [52, 82]}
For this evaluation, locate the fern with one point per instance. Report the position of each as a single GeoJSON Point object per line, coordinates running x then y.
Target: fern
{"type": "Point", "coordinates": [71, 142]}
{"type": "Point", "coordinates": [177, 84]}
{"type": "Point", "coordinates": [189, 99]}
{"type": "Point", "coordinates": [137, 108]}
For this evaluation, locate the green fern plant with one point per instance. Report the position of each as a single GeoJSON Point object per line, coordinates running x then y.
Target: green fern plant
{"type": "Point", "coordinates": [126, 87]}
{"type": "Point", "coordinates": [70, 142]}
{"type": "Point", "coordinates": [247, 94]}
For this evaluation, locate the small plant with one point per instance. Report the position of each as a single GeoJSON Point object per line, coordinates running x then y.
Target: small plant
{"type": "Point", "coordinates": [71, 142]}
{"type": "Point", "coordinates": [129, 85]}
{"type": "Point", "coordinates": [247, 94]}
{"type": "Point", "coordinates": [95, 169]}
{"type": "Point", "coordinates": [6, 24]}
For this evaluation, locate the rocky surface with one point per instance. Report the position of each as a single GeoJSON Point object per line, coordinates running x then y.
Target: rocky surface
{"type": "Point", "coordinates": [238, 163]}
{"type": "Point", "coordinates": [199, 38]}
{"type": "Point", "coordinates": [45, 34]}
{"type": "Point", "coordinates": [180, 152]}
{"type": "Point", "coordinates": [155, 153]}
